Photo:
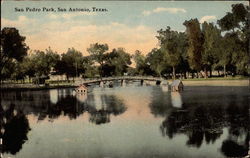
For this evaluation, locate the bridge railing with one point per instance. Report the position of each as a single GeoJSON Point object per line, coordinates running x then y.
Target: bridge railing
{"type": "Point", "coordinates": [91, 80]}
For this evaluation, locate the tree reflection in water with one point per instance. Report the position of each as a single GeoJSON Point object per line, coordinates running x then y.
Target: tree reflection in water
{"type": "Point", "coordinates": [15, 123]}
{"type": "Point", "coordinates": [15, 127]}
{"type": "Point", "coordinates": [110, 105]}
{"type": "Point", "coordinates": [198, 123]}
{"type": "Point", "coordinates": [54, 103]}
{"type": "Point", "coordinates": [237, 143]}
{"type": "Point", "coordinates": [205, 122]}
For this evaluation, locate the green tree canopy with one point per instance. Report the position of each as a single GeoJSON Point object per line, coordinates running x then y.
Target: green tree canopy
{"type": "Point", "coordinates": [12, 46]}
{"type": "Point", "coordinates": [118, 60]}
{"type": "Point", "coordinates": [97, 52]}
{"type": "Point", "coordinates": [71, 63]}
{"type": "Point", "coordinates": [195, 41]}
{"type": "Point", "coordinates": [237, 19]}
{"type": "Point", "coordinates": [173, 44]}
{"type": "Point", "coordinates": [211, 45]}
{"type": "Point", "coordinates": [157, 60]}
{"type": "Point", "coordinates": [142, 68]}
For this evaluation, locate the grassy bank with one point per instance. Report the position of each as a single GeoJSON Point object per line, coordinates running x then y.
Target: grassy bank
{"type": "Point", "coordinates": [217, 78]}
{"type": "Point", "coordinates": [216, 82]}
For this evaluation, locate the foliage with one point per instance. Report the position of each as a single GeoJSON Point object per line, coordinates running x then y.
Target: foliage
{"type": "Point", "coordinates": [117, 62]}
{"type": "Point", "coordinates": [156, 60]}
{"type": "Point", "coordinates": [97, 52]}
{"type": "Point", "coordinates": [13, 47]}
{"type": "Point", "coordinates": [237, 41]}
{"type": "Point", "coordinates": [202, 47]}
{"type": "Point", "coordinates": [211, 45]}
{"type": "Point", "coordinates": [236, 19]}
{"type": "Point", "coordinates": [195, 40]}
{"type": "Point", "coordinates": [71, 63]}
{"type": "Point", "coordinates": [142, 67]}
{"type": "Point", "coordinates": [173, 44]}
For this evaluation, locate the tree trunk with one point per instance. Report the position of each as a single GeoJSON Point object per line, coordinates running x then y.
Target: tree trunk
{"type": "Point", "coordinates": [185, 75]}
{"type": "Point", "coordinates": [211, 75]}
{"type": "Point", "coordinates": [224, 70]}
{"type": "Point", "coordinates": [173, 72]}
{"type": "Point", "coordinates": [67, 78]}
{"type": "Point", "coordinates": [101, 67]}
{"type": "Point", "coordinates": [205, 71]}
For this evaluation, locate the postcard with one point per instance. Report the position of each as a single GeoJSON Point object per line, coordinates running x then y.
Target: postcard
{"type": "Point", "coordinates": [124, 79]}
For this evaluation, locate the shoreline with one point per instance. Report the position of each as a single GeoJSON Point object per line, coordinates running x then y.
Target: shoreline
{"type": "Point", "coordinates": [29, 87]}
{"type": "Point", "coordinates": [21, 87]}
{"type": "Point", "coordinates": [216, 83]}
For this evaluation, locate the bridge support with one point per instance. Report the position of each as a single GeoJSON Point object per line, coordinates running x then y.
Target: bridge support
{"type": "Point", "coordinates": [158, 82]}
{"type": "Point", "coordinates": [101, 84]}
{"type": "Point", "coordinates": [142, 82]}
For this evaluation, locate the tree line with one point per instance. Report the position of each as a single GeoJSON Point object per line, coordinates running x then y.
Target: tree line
{"type": "Point", "coordinates": [197, 52]}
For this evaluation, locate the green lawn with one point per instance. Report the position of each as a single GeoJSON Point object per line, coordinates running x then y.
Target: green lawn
{"type": "Point", "coordinates": [218, 78]}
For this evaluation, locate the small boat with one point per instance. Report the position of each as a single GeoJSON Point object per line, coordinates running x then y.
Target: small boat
{"type": "Point", "coordinates": [82, 89]}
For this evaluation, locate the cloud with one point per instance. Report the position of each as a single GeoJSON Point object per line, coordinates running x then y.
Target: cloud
{"type": "Point", "coordinates": [80, 37]}
{"type": "Point", "coordinates": [207, 18]}
{"type": "Point", "coordinates": [23, 23]}
{"type": "Point", "coordinates": [160, 9]}
{"type": "Point", "coordinates": [68, 16]}
{"type": "Point", "coordinates": [61, 35]}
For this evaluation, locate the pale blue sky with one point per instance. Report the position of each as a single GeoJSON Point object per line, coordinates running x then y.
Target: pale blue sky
{"type": "Point", "coordinates": [129, 24]}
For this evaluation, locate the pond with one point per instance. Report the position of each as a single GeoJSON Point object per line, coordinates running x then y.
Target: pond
{"type": "Point", "coordinates": [126, 121]}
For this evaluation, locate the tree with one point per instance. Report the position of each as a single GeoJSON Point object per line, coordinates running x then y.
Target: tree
{"type": "Point", "coordinates": [71, 63]}
{"type": "Point", "coordinates": [13, 47]}
{"type": "Point", "coordinates": [97, 52]}
{"type": "Point", "coordinates": [195, 40]}
{"type": "Point", "coordinates": [236, 25]}
{"type": "Point", "coordinates": [237, 19]}
{"type": "Point", "coordinates": [173, 43]}
{"type": "Point", "coordinates": [8, 70]}
{"type": "Point", "coordinates": [87, 67]}
{"type": "Point", "coordinates": [118, 61]}
{"type": "Point", "coordinates": [28, 66]}
{"type": "Point", "coordinates": [157, 60]}
{"type": "Point", "coordinates": [212, 40]}
{"type": "Point", "coordinates": [142, 68]}
{"type": "Point", "coordinates": [43, 62]}
{"type": "Point", "coordinates": [52, 58]}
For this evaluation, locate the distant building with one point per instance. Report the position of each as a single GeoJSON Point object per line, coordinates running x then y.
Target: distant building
{"type": "Point", "coordinates": [81, 89]}
{"type": "Point", "coordinates": [177, 86]}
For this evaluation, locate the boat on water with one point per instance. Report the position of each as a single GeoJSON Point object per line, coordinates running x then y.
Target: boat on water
{"type": "Point", "coordinates": [81, 89]}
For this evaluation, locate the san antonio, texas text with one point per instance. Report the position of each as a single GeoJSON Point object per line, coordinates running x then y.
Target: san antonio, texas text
{"type": "Point", "coordinates": [52, 9]}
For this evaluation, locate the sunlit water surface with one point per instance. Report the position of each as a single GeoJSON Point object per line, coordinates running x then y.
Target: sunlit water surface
{"type": "Point", "coordinates": [126, 121]}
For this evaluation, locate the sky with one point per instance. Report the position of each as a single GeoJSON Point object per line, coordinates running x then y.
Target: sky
{"type": "Point", "coordinates": [132, 25]}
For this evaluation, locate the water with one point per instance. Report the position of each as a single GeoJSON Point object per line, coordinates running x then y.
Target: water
{"type": "Point", "coordinates": [126, 121]}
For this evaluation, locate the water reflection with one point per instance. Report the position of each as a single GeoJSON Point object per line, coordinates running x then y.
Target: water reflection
{"type": "Point", "coordinates": [161, 103]}
{"type": "Point", "coordinates": [102, 106]}
{"type": "Point", "coordinates": [203, 119]}
{"type": "Point", "coordinates": [14, 129]}
{"type": "Point", "coordinates": [54, 103]}
{"type": "Point", "coordinates": [50, 104]}
{"type": "Point", "coordinates": [233, 148]}
{"type": "Point", "coordinates": [176, 99]}
{"type": "Point", "coordinates": [198, 124]}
